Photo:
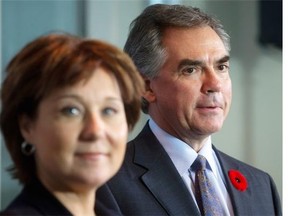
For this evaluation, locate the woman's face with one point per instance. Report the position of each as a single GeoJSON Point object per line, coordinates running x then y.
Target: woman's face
{"type": "Point", "coordinates": [80, 134]}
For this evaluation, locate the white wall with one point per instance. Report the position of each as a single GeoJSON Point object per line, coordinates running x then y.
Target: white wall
{"type": "Point", "coordinates": [253, 131]}
{"type": "Point", "coordinates": [110, 20]}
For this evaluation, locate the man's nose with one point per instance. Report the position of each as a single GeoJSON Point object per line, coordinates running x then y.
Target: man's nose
{"type": "Point", "coordinates": [211, 82]}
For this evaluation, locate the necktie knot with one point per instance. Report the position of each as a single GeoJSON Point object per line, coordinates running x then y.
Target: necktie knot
{"type": "Point", "coordinates": [200, 163]}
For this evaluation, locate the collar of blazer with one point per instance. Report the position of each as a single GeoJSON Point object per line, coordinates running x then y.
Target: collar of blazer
{"type": "Point", "coordinates": [160, 175]}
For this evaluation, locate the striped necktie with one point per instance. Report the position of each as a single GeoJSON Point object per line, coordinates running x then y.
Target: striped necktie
{"type": "Point", "coordinates": [205, 193]}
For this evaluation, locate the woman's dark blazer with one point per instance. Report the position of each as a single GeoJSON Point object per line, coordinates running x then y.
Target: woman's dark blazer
{"type": "Point", "coordinates": [36, 200]}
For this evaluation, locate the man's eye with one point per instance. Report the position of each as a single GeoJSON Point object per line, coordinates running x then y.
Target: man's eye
{"type": "Point", "coordinates": [223, 67]}
{"type": "Point", "coordinates": [71, 111]}
{"type": "Point", "coordinates": [189, 70]}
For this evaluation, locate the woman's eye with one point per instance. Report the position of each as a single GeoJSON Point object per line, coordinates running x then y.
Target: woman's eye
{"type": "Point", "coordinates": [109, 111]}
{"type": "Point", "coordinates": [71, 111]}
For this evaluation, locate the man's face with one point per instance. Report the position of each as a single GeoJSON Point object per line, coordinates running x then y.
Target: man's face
{"type": "Point", "coordinates": [191, 96]}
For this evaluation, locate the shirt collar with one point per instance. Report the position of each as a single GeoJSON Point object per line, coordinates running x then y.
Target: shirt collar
{"type": "Point", "coordinates": [208, 152]}
{"type": "Point", "coordinates": [181, 154]}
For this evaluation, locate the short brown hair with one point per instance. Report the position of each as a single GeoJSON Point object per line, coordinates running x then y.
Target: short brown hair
{"type": "Point", "coordinates": [54, 61]}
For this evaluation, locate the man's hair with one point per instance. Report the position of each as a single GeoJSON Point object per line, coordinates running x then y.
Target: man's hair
{"type": "Point", "coordinates": [144, 43]}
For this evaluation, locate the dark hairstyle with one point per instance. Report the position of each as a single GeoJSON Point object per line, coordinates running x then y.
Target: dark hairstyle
{"type": "Point", "coordinates": [144, 43]}
{"type": "Point", "coordinates": [51, 62]}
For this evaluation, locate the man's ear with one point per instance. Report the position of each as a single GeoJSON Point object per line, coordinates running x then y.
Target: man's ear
{"type": "Point", "coordinates": [26, 127]}
{"type": "Point", "coordinates": [149, 94]}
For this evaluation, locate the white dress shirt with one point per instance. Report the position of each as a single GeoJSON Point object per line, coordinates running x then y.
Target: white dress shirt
{"type": "Point", "coordinates": [182, 156]}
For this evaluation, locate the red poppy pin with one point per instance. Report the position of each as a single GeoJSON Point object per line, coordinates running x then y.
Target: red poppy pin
{"type": "Point", "coordinates": [238, 180]}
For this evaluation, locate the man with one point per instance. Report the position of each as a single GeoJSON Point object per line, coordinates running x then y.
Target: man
{"type": "Point", "coordinates": [183, 55]}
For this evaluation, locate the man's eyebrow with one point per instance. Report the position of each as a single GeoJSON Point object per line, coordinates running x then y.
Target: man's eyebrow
{"type": "Point", "coordinates": [224, 59]}
{"type": "Point", "coordinates": [189, 62]}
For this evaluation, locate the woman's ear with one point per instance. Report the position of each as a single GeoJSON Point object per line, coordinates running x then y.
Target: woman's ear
{"type": "Point", "coordinates": [149, 94]}
{"type": "Point", "coordinates": [25, 126]}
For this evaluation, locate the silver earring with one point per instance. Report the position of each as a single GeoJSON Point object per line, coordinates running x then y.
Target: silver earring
{"type": "Point", "coordinates": [27, 149]}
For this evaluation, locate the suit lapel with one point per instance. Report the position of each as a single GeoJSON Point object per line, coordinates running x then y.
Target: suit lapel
{"type": "Point", "coordinates": [238, 198]}
{"type": "Point", "coordinates": [162, 178]}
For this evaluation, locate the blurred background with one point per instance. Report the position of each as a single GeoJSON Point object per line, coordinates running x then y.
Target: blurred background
{"type": "Point", "coordinates": [253, 129]}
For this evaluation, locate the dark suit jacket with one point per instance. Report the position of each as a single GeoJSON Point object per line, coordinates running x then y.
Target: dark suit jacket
{"type": "Point", "coordinates": [149, 184]}
{"type": "Point", "coordinates": [35, 200]}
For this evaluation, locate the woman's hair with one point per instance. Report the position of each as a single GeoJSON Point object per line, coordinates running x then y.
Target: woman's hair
{"type": "Point", "coordinates": [144, 43]}
{"type": "Point", "coordinates": [52, 62]}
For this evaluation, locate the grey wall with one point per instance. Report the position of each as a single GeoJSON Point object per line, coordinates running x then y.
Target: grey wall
{"type": "Point", "coordinates": [23, 21]}
{"type": "Point", "coordinates": [253, 129]}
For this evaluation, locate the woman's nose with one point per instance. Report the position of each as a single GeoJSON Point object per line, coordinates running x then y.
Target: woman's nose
{"type": "Point", "coordinates": [93, 127]}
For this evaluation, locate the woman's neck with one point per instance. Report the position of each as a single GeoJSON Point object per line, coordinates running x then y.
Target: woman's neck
{"type": "Point", "coordinates": [78, 203]}
{"type": "Point", "coordinates": [76, 198]}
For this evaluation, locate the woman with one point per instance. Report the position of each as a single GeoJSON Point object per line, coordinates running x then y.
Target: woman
{"type": "Point", "coordinates": [67, 106]}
